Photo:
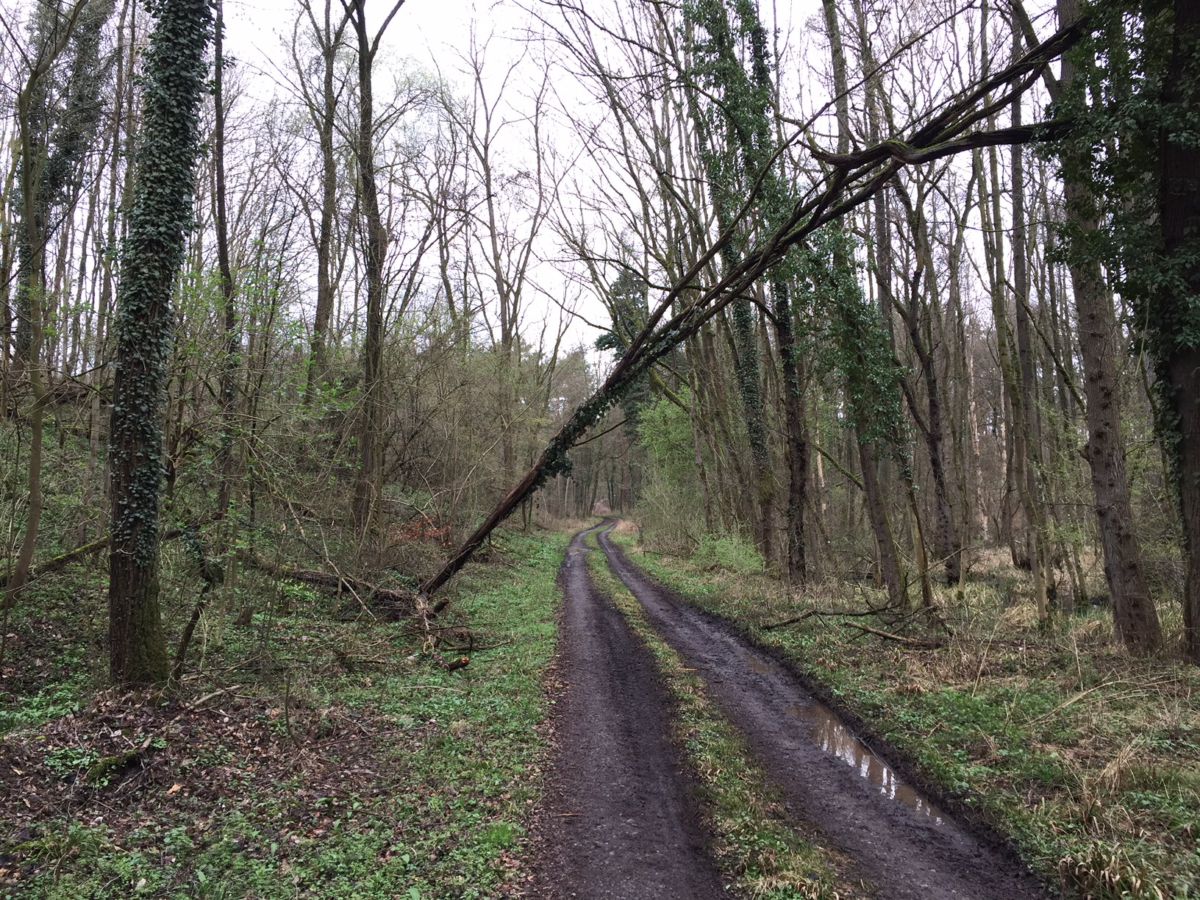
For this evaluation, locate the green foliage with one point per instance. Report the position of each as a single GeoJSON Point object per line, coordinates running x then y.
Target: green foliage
{"type": "Point", "coordinates": [852, 340]}
{"type": "Point", "coordinates": [70, 761]}
{"type": "Point", "coordinates": [160, 215]}
{"type": "Point", "coordinates": [1126, 107]}
{"type": "Point", "coordinates": [669, 508]}
{"type": "Point", "coordinates": [738, 152]}
{"type": "Point", "coordinates": [59, 113]}
{"type": "Point", "coordinates": [628, 309]}
{"type": "Point", "coordinates": [666, 433]}
{"type": "Point", "coordinates": [50, 703]}
{"type": "Point", "coordinates": [458, 757]}
{"type": "Point", "coordinates": [729, 552]}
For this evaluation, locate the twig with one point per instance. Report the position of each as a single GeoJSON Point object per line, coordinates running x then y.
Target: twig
{"type": "Point", "coordinates": [899, 638]}
{"type": "Point", "coordinates": [809, 613]}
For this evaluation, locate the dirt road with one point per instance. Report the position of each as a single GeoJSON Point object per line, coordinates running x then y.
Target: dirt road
{"type": "Point", "coordinates": [620, 821]}
{"type": "Point", "coordinates": [901, 843]}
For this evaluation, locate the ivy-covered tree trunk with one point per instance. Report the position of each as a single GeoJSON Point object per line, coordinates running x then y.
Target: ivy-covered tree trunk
{"type": "Point", "coordinates": [160, 217]}
{"type": "Point", "coordinates": [732, 162]}
{"type": "Point", "coordinates": [1134, 615]}
{"type": "Point", "coordinates": [1179, 204]}
{"type": "Point", "coordinates": [862, 352]}
{"type": "Point", "coordinates": [748, 368]}
{"type": "Point", "coordinates": [58, 112]}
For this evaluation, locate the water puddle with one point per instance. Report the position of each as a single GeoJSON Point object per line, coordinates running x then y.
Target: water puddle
{"type": "Point", "coordinates": [834, 737]}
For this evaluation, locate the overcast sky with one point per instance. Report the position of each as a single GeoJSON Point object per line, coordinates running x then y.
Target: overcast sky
{"type": "Point", "coordinates": [434, 35]}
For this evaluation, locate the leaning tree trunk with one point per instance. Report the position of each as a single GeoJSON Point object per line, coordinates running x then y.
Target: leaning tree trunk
{"type": "Point", "coordinates": [668, 325]}
{"type": "Point", "coordinates": [159, 219]}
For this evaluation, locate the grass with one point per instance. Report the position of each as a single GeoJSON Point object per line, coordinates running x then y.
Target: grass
{"type": "Point", "coordinates": [333, 761]}
{"type": "Point", "coordinates": [1089, 760]}
{"type": "Point", "coordinates": [754, 842]}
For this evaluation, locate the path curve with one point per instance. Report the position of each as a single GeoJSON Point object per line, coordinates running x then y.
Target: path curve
{"type": "Point", "coordinates": [620, 820]}
{"type": "Point", "coordinates": [904, 852]}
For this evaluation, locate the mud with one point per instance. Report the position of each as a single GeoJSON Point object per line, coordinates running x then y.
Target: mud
{"type": "Point", "coordinates": [905, 846]}
{"type": "Point", "coordinates": [621, 819]}
{"type": "Point", "coordinates": [832, 735]}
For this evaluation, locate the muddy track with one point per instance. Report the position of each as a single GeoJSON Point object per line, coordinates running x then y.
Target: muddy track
{"type": "Point", "coordinates": [620, 819]}
{"type": "Point", "coordinates": [905, 846]}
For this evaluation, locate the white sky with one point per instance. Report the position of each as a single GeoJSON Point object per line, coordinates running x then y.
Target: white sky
{"type": "Point", "coordinates": [434, 35]}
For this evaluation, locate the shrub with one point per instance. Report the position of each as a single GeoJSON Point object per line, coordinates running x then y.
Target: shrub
{"type": "Point", "coordinates": [731, 552]}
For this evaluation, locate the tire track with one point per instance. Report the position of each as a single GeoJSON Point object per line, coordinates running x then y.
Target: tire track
{"type": "Point", "coordinates": [906, 849]}
{"type": "Point", "coordinates": [621, 820]}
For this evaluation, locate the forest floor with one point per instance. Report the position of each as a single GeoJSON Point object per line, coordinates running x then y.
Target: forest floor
{"type": "Point", "coordinates": [630, 725]}
{"type": "Point", "coordinates": [315, 755]}
{"type": "Point", "coordinates": [1084, 760]}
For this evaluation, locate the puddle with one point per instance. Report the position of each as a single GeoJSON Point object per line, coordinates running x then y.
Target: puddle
{"type": "Point", "coordinates": [834, 737]}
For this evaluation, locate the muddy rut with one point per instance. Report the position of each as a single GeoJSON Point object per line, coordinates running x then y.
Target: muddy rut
{"type": "Point", "coordinates": [620, 820]}
{"type": "Point", "coordinates": [902, 844]}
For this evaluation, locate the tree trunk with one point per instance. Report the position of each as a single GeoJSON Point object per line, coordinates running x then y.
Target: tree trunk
{"type": "Point", "coordinates": [368, 489]}
{"type": "Point", "coordinates": [1025, 395]}
{"type": "Point", "coordinates": [31, 293]}
{"type": "Point", "coordinates": [229, 365]}
{"type": "Point", "coordinates": [159, 218]}
{"type": "Point", "coordinates": [797, 439]}
{"type": "Point", "coordinates": [1179, 202]}
{"type": "Point", "coordinates": [885, 543]}
{"type": "Point", "coordinates": [324, 120]}
{"type": "Point", "coordinates": [1134, 615]}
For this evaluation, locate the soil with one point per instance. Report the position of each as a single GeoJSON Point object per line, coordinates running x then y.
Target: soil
{"type": "Point", "coordinates": [621, 819]}
{"type": "Point", "coordinates": [903, 844]}
{"type": "Point", "coordinates": [156, 764]}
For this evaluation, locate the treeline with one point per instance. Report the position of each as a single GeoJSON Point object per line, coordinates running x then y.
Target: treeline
{"type": "Point", "coordinates": [369, 332]}
{"type": "Point", "coordinates": [949, 310]}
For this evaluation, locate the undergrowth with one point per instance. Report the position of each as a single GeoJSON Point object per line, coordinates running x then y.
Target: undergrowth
{"type": "Point", "coordinates": [316, 753]}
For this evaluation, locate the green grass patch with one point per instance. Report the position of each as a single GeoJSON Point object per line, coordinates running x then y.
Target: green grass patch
{"type": "Point", "coordinates": [349, 766]}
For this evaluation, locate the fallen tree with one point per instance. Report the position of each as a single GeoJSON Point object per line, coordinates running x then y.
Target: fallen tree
{"type": "Point", "coordinates": [849, 180]}
{"type": "Point", "coordinates": [388, 600]}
